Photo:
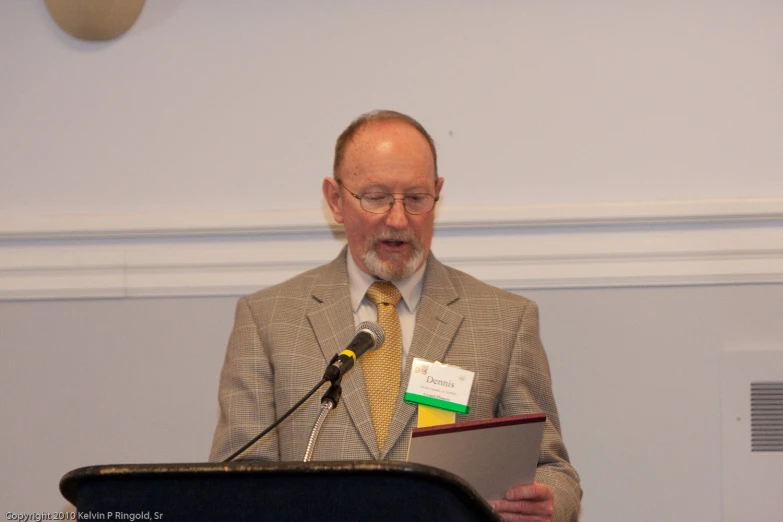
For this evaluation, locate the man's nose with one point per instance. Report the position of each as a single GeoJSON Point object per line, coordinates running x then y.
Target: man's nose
{"type": "Point", "coordinates": [397, 217]}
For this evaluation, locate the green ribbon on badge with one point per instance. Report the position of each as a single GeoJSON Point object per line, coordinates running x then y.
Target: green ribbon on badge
{"type": "Point", "coordinates": [436, 403]}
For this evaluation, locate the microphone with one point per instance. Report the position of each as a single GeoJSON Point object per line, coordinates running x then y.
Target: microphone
{"type": "Point", "coordinates": [368, 337]}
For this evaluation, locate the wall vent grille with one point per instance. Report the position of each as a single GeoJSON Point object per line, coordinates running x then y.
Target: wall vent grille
{"type": "Point", "coordinates": [766, 416]}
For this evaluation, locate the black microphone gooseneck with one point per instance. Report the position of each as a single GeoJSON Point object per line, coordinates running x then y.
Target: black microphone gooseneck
{"type": "Point", "coordinates": [369, 336]}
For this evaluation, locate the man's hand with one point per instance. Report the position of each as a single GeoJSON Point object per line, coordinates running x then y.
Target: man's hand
{"type": "Point", "coordinates": [527, 503]}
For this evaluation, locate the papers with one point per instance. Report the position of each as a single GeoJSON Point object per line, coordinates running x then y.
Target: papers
{"type": "Point", "coordinates": [491, 455]}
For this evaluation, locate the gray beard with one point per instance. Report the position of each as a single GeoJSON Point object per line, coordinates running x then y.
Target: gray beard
{"type": "Point", "coordinates": [391, 271]}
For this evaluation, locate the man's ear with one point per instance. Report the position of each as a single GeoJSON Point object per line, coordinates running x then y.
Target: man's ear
{"type": "Point", "coordinates": [332, 195]}
{"type": "Point", "coordinates": [438, 186]}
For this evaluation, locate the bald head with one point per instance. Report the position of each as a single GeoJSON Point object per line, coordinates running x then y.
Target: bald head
{"type": "Point", "coordinates": [374, 117]}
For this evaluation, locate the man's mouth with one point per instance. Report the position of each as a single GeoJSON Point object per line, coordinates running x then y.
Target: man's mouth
{"type": "Point", "coordinates": [392, 242]}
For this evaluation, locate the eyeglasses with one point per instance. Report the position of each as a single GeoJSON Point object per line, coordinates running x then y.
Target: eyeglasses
{"type": "Point", "coordinates": [381, 202]}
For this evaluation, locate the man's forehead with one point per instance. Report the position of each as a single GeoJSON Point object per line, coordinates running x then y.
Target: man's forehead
{"type": "Point", "coordinates": [385, 168]}
{"type": "Point", "coordinates": [384, 146]}
{"type": "Point", "coordinates": [389, 141]}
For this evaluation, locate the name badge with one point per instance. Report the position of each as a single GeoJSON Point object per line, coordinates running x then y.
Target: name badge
{"type": "Point", "coordinates": [440, 386]}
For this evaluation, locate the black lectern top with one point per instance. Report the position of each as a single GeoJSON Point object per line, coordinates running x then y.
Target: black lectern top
{"type": "Point", "coordinates": [295, 491]}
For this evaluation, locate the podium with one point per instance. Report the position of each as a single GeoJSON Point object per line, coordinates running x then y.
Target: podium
{"type": "Point", "coordinates": [270, 491]}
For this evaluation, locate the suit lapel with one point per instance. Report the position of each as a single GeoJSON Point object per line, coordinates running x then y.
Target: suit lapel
{"type": "Point", "coordinates": [436, 326]}
{"type": "Point", "coordinates": [332, 321]}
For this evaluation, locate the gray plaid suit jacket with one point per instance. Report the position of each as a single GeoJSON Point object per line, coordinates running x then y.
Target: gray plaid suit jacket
{"type": "Point", "coordinates": [284, 336]}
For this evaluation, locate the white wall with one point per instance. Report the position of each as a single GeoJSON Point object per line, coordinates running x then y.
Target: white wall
{"type": "Point", "coordinates": [619, 162]}
{"type": "Point", "coordinates": [229, 106]}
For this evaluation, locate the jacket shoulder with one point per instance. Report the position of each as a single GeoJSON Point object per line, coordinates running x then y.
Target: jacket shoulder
{"type": "Point", "coordinates": [300, 285]}
{"type": "Point", "coordinates": [469, 287]}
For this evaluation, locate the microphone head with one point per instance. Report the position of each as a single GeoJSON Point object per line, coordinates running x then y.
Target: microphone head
{"type": "Point", "coordinates": [375, 330]}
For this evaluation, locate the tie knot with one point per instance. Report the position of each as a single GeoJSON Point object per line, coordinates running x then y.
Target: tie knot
{"type": "Point", "coordinates": [383, 292]}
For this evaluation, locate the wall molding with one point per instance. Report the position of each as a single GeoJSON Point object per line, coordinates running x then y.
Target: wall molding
{"type": "Point", "coordinates": [514, 247]}
{"type": "Point", "coordinates": [450, 217]}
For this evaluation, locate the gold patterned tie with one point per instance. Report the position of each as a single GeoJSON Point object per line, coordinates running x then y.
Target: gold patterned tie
{"type": "Point", "coordinates": [382, 366]}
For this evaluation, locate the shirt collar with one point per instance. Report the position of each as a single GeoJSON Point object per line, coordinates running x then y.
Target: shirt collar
{"type": "Point", "coordinates": [359, 282]}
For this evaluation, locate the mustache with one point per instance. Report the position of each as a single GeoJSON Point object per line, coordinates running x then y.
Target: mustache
{"type": "Point", "coordinates": [395, 235]}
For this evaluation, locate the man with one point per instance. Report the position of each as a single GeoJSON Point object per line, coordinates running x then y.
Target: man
{"type": "Point", "coordinates": [384, 190]}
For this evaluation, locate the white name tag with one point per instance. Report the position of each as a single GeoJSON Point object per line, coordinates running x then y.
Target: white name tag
{"type": "Point", "coordinates": [440, 386]}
